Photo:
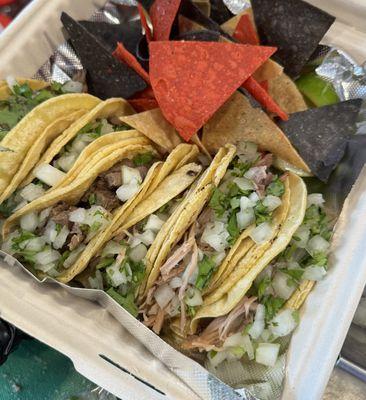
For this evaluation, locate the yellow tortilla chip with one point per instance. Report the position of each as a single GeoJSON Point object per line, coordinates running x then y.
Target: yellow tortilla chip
{"type": "Point", "coordinates": [298, 197]}
{"type": "Point", "coordinates": [238, 121]}
{"type": "Point", "coordinates": [21, 138]}
{"type": "Point", "coordinates": [286, 94]}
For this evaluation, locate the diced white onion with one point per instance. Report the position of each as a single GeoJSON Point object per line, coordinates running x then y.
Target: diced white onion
{"type": "Point", "coordinates": [47, 268]}
{"type": "Point", "coordinates": [80, 142]}
{"type": "Point", "coordinates": [193, 297]}
{"type": "Point", "coordinates": [97, 281]}
{"type": "Point", "coordinates": [112, 248]}
{"type": "Point", "coordinates": [29, 222]}
{"type": "Point", "coordinates": [254, 198]}
{"type": "Point", "coordinates": [106, 127]}
{"type": "Point", "coordinates": [283, 323]}
{"type": "Point", "coordinates": [317, 244]}
{"type": "Point", "coordinates": [163, 295]}
{"type": "Point", "coordinates": [6, 246]}
{"type": "Point", "coordinates": [66, 161]}
{"type": "Point", "coordinates": [315, 199]}
{"type": "Point", "coordinates": [48, 174]}
{"type": "Point", "coordinates": [302, 233]}
{"type": "Point", "coordinates": [138, 253]}
{"type": "Point", "coordinates": [272, 202]}
{"type": "Point", "coordinates": [262, 233]}
{"type": "Point", "coordinates": [43, 215]}
{"type": "Point", "coordinates": [245, 217]}
{"type": "Point", "coordinates": [257, 327]}
{"type": "Point", "coordinates": [73, 256]}
{"type": "Point", "coordinates": [174, 306]}
{"type": "Point", "coordinates": [280, 286]}
{"type": "Point", "coordinates": [219, 258]}
{"type": "Point", "coordinates": [215, 235]}
{"type": "Point", "coordinates": [176, 282]}
{"type": "Point", "coordinates": [248, 346]}
{"type": "Point", "coordinates": [266, 334]}
{"type": "Point", "coordinates": [11, 81]}
{"type": "Point", "coordinates": [267, 353]}
{"type": "Point", "coordinates": [245, 203]}
{"type": "Point", "coordinates": [47, 256]}
{"type": "Point", "coordinates": [314, 273]}
{"type": "Point", "coordinates": [235, 340]}
{"type": "Point", "coordinates": [96, 215]}
{"type": "Point", "coordinates": [72, 87]}
{"type": "Point", "coordinates": [36, 244]}
{"type": "Point", "coordinates": [61, 238]}
{"type": "Point", "coordinates": [154, 223]}
{"type": "Point", "coordinates": [218, 358]}
{"type": "Point", "coordinates": [32, 192]}
{"type": "Point", "coordinates": [254, 172]}
{"type": "Point", "coordinates": [146, 237]}
{"type": "Point", "coordinates": [116, 276]}
{"type": "Point", "coordinates": [20, 205]}
{"type": "Point", "coordinates": [126, 192]}
{"type": "Point", "coordinates": [130, 175]}
{"type": "Point", "coordinates": [244, 183]}
{"type": "Point", "coordinates": [247, 151]}
{"type": "Point", "coordinates": [50, 232]}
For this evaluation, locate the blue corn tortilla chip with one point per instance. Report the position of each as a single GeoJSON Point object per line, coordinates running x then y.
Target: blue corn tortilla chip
{"type": "Point", "coordinates": [128, 33]}
{"type": "Point", "coordinates": [219, 12]}
{"type": "Point", "coordinates": [201, 36]}
{"type": "Point", "coordinates": [320, 135]}
{"type": "Point", "coordinates": [106, 76]}
{"type": "Point", "coordinates": [294, 26]}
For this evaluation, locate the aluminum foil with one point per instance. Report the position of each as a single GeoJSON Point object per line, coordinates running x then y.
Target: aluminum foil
{"type": "Point", "coordinates": [349, 80]}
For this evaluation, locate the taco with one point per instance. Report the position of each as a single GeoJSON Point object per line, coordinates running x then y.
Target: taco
{"type": "Point", "coordinates": [119, 267]}
{"type": "Point", "coordinates": [65, 156]}
{"type": "Point", "coordinates": [261, 308]}
{"type": "Point", "coordinates": [57, 234]}
{"type": "Point", "coordinates": [240, 221]}
{"type": "Point", "coordinates": [27, 116]}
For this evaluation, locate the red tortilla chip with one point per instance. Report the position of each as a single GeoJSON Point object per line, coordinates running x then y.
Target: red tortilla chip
{"type": "Point", "coordinates": [265, 85]}
{"type": "Point", "coordinates": [147, 93]}
{"type": "Point", "coordinates": [125, 56]}
{"type": "Point", "coordinates": [192, 80]}
{"type": "Point", "coordinates": [141, 105]}
{"type": "Point", "coordinates": [245, 32]}
{"type": "Point", "coordinates": [162, 14]}
{"type": "Point", "coordinates": [260, 94]}
{"type": "Point", "coordinates": [144, 22]}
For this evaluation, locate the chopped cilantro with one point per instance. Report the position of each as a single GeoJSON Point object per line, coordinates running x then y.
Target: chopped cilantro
{"type": "Point", "coordinates": [296, 316]}
{"type": "Point", "coordinates": [56, 87]}
{"type": "Point", "coordinates": [23, 90]}
{"type": "Point", "coordinates": [263, 285]}
{"type": "Point", "coordinates": [127, 301]}
{"type": "Point", "coordinates": [272, 305]}
{"type": "Point", "coordinates": [105, 262]}
{"type": "Point", "coordinates": [24, 235]}
{"type": "Point", "coordinates": [233, 229]}
{"type": "Point", "coordinates": [239, 168]}
{"type": "Point", "coordinates": [95, 226]}
{"type": "Point", "coordinates": [294, 275]}
{"type": "Point", "coordinates": [219, 202]}
{"type": "Point", "coordinates": [206, 267]}
{"type": "Point", "coordinates": [64, 256]}
{"type": "Point", "coordinates": [191, 311]}
{"type": "Point", "coordinates": [316, 220]}
{"type": "Point", "coordinates": [164, 208]}
{"type": "Point", "coordinates": [92, 199]}
{"type": "Point", "coordinates": [7, 207]}
{"type": "Point", "coordinates": [276, 188]}
{"type": "Point", "coordinates": [262, 214]}
{"type": "Point", "coordinates": [58, 228]}
{"type": "Point", "coordinates": [234, 191]}
{"type": "Point", "coordinates": [143, 159]}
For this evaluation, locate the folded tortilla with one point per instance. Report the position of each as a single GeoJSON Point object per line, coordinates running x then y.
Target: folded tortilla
{"type": "Point", "coordinates": [63, 145]}
{"type": "Point", "coordinates": [22, 137]}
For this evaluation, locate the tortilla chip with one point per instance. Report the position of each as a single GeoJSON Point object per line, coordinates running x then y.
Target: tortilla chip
{"type": "Point", "coordinates": [238, 121]}
{"type": "Point", "coordinates": [296, 213]}
{"type": "Point", "coordinates": [286, 94]}
{"type": "Point", "coordinates": [37, 149]}
{"type": "Point", "coordinates": [219, 12]}
{"type": "Point", "coordinates": [154, 126]}
{"type": "Point", "coordinates": [21, 138]}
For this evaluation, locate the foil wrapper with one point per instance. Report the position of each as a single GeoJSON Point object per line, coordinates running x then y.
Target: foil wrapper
{"type": "Point", "coordinates": [251, 381]}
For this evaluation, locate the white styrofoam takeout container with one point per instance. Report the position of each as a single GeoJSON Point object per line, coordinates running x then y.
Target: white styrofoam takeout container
{"type": "Point", "coordinates": [84, 331]}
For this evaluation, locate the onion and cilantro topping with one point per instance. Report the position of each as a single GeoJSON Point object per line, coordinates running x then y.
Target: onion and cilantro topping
{"type": "Point", "coordinates": [22, 100]}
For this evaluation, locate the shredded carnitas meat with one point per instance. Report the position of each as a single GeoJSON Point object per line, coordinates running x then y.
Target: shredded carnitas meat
{"type": "Point", "coordinates": [215, 334]}
{"type": "Point", "coordinates": [183, 262]}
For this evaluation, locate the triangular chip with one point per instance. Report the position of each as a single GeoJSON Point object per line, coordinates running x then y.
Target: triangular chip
{"type": "Point", "coordinates": [219, 12]}
{"type": "Point", "coordinates": [106, 76]}
{"type": "Point", "coordinates": [154, 126]}
{"type": "Point", "coordinates": [129, 33]}
{"type": "Point", "coordinates": [238, 121]}
{"type": "Point", "coordinates": [192, 80]}
{"type": "Point", "coordinates": [162, 14]}
{"type": "Point", "coordinates": [294, 26]}
{"type": "Point", "coordinates": [321, 134]}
